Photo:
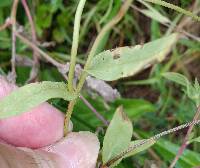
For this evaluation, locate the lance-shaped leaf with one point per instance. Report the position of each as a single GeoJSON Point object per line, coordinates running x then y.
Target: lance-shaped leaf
{"type": "Point", "coordinates": [31, 95]}
{"type": "Point", "coordinates": [127, 61]}
{"type": "Point", "coordinates": [118, 136]}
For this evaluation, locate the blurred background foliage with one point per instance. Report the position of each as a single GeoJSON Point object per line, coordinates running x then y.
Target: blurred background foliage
{"type": "Point", "coordinates": [152, 103]}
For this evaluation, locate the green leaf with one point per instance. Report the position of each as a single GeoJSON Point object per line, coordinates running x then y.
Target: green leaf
{"type": "Point", "coordinates": [192, 91]}
{"type": "Point", "coordinates": [195, 140]}
{"type": "Point", "coordinates": [153, 13]}
{"type": "Point", "coordinates": [44, 16]}
{"type": "Point", "coordinates": [127, 61]}
{"type": "Point", "coordinates": [31, 95]}
{"type": "Point", "coordinates": [117, 137]}
{"type": "Point", "coordinates": [177, 78]}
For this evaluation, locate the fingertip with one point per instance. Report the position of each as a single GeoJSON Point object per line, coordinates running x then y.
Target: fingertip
{"type": "Point", "coordinates": [78, 150]}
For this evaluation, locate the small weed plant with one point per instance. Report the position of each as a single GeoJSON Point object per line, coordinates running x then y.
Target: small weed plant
{"type": "Point", "coordinates": [108, 65]}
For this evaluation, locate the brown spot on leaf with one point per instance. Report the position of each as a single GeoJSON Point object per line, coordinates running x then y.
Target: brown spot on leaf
{"type": "Point", "coordinates": [116, 56]}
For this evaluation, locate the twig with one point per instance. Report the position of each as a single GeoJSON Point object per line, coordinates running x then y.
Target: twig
{"type": "Point", "coordinates": [98, 115]}
{"type": "Point", "coordinates": [184, 144]}
{"type": "Point", "coordinates": [34, 40]}
{"type": "Point", "coordinates": [7, 23]}
{"type": "Point", "coordinates": [13, 20]}
{"type": "Point", "coordinates": [33, 46]}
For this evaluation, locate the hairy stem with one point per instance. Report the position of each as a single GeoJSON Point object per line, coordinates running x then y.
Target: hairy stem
{"type": "Point", "coordinates": [74, 49]}
{"type": "Point", "coordinates": [176, 8]}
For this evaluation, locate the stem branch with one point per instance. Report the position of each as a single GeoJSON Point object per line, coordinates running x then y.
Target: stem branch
{"type": "Point", "coordinates": [34, 40]}
{"type": "Point", "coordinates": [83, 76]}
{"type": "Point", "coordinates": [13, 20]}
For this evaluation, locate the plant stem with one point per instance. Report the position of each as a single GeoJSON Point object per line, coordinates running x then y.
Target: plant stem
{"type": "Point", "coordinates": [7, 23]}
{"type": "Point", "coordinates": [176, 8]}
{"type": "Point", "coordinates": [34, 47]}
{"type": "Point", "coordinates": [184, 144]}
{"type": "Point", "coordinates": [13, 20]}
{"type": "Point", "coordinates": [98, 115]}
{"type": "Point", "coordinates": [68, 116]}
{"type": "Point", "coordinates": [74, 49]}
{"type": "Point", "coordinates": [83, 76]}
{"type": "Point", "coordinates": [34, 70]}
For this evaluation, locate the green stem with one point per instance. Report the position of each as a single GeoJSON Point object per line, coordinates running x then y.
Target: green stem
{"type": "Point", "coordinates": [74, 49]}
{"type": "Point", "coordinates": [68, 116]}
{"type": "Point", "coordinates": [176, 8]}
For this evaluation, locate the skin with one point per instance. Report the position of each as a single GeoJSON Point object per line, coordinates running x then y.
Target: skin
{"type": "Point", "coordinates": [35, 139]}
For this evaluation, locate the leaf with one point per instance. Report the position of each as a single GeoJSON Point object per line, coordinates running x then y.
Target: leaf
{"type": "Point", "coordinates": [127, 61]}
{"type": "Point", "coordinates": [192, 91]}
{"type": "Point", "coordinates": [177, 78]}
{"type": "Point", "coordinates": [117, 137]}
{"type": "Point", "coordinates": [195, 140]}
{"type": "Point", "coordinates": [153, 13]}
{"type": "Point", "coordinates": [31, 95]}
